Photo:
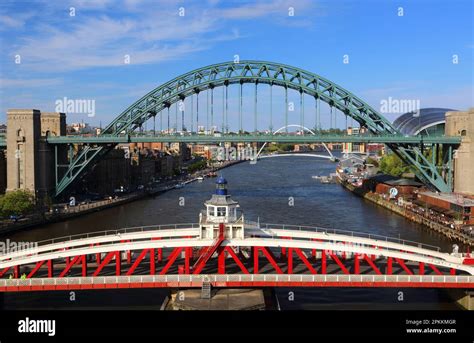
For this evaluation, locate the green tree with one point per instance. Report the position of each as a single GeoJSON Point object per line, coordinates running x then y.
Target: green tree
{"type": "Point", "coordinates": [16, 202]}
{"type": "Point", "coordinates": [371, 160]}
{"type": "Point", "coordinates": [287, 147]}
{"type": "Point", "coordinates": [197, 166]}
{"type": "Point", "coordinates": [391, 164]}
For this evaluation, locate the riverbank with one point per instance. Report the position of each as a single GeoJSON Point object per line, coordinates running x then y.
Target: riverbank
{"type": "Point", "coordinates": [406, 212]}
{"type": "Point", "coordinates": [83, 209]}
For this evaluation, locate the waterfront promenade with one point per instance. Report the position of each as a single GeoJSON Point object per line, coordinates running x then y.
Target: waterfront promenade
{"type": "Point", "coordinates": [414, 213]}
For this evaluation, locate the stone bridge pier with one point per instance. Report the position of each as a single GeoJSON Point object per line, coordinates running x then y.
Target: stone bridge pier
{"type": "Point", "coordinates": [30, 159]}
{"type": "Point", "coordinates": [461, 123]}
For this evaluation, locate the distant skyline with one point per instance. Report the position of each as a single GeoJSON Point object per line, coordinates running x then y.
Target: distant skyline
{"type": "Point", "coordinates": [49, 54]}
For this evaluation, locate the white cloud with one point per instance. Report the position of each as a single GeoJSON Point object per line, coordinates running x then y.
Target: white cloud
{"type": "Point", "coordinates": [150, 34]}
{"type": "Point", "coordinates": [7, 21]}
{"type": "Point", "coordinates": [264, 9]}
{"type": "Point", "coordinates": [14, 22]}
{"type": "Point", "coordinates": [104, 41]}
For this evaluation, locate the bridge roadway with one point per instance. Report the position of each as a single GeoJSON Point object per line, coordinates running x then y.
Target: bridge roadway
{"type": "Point", "coordinates": [237, 138]}
{"type": "Point", "coordinates": [338, 258]}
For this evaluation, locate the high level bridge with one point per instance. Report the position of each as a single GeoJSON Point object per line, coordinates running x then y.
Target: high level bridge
{"type": "Point", "coordinates": [225, 250]}
{"type": "Point", "coordinates": [175, 113]}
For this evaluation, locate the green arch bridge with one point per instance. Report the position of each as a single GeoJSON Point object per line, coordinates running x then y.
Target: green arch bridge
{"type": "Point", "coordinates": [219, 124]}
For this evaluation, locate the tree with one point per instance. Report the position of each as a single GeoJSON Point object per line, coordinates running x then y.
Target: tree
{"type": "Point", "coordinates": [371, 160]}
{"type": "Point", "coordinates": [16, 203]}
{"type": "Point", "coordinates": [197, 166]}
{"type": "Point", "coordinates": [391, 164]}
{"type": "Point", "coordinates": [287, 147]}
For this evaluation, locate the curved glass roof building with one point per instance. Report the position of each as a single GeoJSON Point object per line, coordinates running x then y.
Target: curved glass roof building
{"type": "Point", "coordinates": [430, 121]}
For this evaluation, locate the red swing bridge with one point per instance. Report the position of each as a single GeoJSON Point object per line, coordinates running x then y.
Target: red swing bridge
{"type": "Point", "coordinates": [225, 250]}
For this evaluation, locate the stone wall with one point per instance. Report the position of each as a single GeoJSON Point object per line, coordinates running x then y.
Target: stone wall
{"type": "Point", "coordinates": [462, 124]}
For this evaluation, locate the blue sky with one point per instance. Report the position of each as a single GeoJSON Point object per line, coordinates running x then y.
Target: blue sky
{"type": "Point", "coordinates": [81, 56]}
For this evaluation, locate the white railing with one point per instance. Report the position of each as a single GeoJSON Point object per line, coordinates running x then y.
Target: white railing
{"type": "Point", "coordinates": [213, 278]}
{"type": "Point", "coordinates": [106, 233]}
{"type": "Point", "coordinates": [317, 229]}
{"type": "Point", "coordinates": [267, 226]}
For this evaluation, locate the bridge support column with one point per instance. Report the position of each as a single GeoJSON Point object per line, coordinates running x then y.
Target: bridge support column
{"type": "Point", "coordinates": [356, 264]}
{"type": "Point", "coordinates": [50, 268]}
{"type": "Point", "coordinates": [187, 260]}
{"type": "Point", "coordinates": [421, 268]}
{"type": "Point", "coordinates": [30, 159]}
{"type": "Point", "coordinates": [323, 262]}
{"type": "Point", "coordinates": [160, 255]}
{"type": "Point", "coordinates": [221, 261]}
{"type": "Point", "coordinates": [255, 259]}
{"type": "Point", "coordinates": [461, 124]}
{"type": "Point", "coordinates": [118, 263]}
{"type": "Point", "coordinates": [389, 266]}
{"type": "Point", "coordinates": [152, 261]}
{"type": "Point", "coordinates": [84, 265]}
{"type": "Point", "coordinates": [314, 253]}
{"type": "Point", "coordinates": [290, 260]}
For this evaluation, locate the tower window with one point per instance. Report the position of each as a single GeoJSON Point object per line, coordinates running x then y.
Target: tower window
{"type": "Point", "coordinates": [463, 132]}
{"type": "Point", "coordinates": [221, 211]}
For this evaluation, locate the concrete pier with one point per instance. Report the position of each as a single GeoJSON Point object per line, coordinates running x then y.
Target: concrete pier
{"type": "Point", "coordinates": [220, 300]}
{"type": "Point", "coordinates": [464, 298]}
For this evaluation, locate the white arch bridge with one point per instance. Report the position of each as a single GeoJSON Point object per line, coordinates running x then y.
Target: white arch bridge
{"type": "Point", "coordinates": [272, 255]}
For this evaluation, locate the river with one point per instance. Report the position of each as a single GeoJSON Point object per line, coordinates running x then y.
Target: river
{"type": "Point", "coordinates": [274, 190]}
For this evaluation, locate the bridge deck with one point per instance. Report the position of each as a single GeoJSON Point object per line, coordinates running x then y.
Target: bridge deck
{"type": "Point", "coordinates": [236, 281]}
{"type": "Point", "coordinates": [266, 251]}
{"type": "Point", "coordinates": [235, 138]}
{"type": "Point", "coordinates": [304, 238]}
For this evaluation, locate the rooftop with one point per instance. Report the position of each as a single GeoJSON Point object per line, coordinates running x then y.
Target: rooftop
{"type": "Point", "coordinates": [453, 198]}
{"type": "Point", "coordinates": [220, 200]}
{"type": "Point", "coordinates": [411, 124]}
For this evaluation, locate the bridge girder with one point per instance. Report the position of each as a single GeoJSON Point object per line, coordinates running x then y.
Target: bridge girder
{"type": "Point", "coordinates": [228, 73]}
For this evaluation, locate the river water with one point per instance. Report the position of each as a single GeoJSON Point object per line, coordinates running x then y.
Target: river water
{"type": "Point", "coordinates": [274, 190]}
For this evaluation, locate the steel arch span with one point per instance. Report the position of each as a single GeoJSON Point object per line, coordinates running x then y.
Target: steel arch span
{"type": "Point", "coordinates": [274, 74]}
{"type": "Point", "coordinates": [227, 73]}
{"type": "Point", "coordinates": [268, 255]}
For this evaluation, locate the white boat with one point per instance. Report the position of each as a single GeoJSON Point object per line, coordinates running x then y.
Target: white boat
{"type": "Point", "coordinates": [199, 178]}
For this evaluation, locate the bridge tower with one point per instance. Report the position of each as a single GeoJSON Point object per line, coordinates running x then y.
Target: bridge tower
{"type": "Point", "coordinates": [221, 209]}
{"type": "Point", "coordinates": [461, 123]}
{"type": "Point", "coordinates": [30, 160]}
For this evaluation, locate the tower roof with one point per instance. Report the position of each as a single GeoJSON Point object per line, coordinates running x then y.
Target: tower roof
{"type": "Point", "coordinates": [221, 181]}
